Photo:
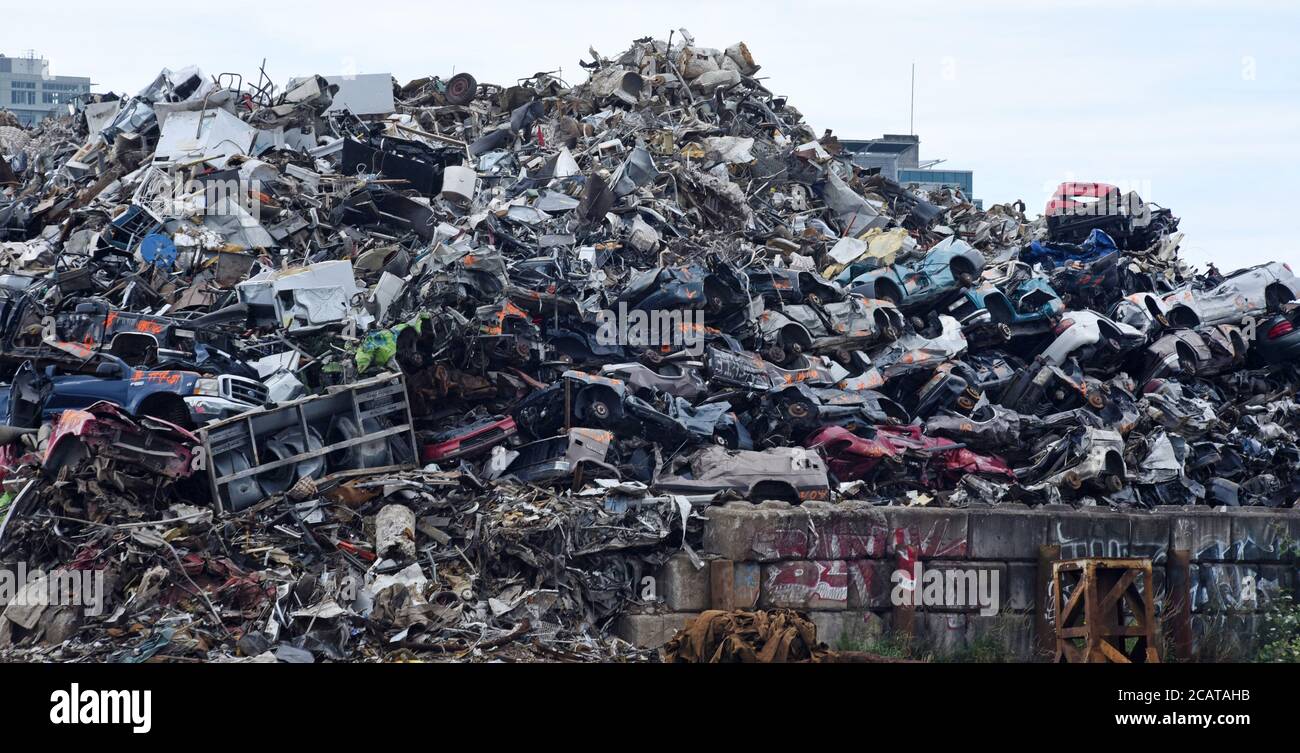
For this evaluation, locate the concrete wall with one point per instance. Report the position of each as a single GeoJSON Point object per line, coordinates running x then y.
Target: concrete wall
{"type": "Point", "coordinates": [835, 561]}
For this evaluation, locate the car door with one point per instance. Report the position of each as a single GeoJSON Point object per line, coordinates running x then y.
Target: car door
{"type": "Point", "coordinates": [74, 392]}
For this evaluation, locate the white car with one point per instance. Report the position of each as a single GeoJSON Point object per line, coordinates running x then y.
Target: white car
{"type": "Point", "coordinates": [1246, 292]}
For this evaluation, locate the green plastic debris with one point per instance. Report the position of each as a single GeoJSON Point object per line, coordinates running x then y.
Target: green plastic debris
{"type": "Point", "coordinates": [379, 347]}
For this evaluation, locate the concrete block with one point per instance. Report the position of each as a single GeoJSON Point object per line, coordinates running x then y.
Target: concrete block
{"type": "Point", "coordinates": [870, 584]}
{"type": "Point", "coordinates": [674, 621]}
{"type": "Point", "coordinates": [1149, 537]}
{"type": "Point", "coordinates": [1205, 533]}
{"type": "Point", "coordinates": [1290, 518]}
{"type": "Point", "coordinates": [680, 586]}
{"type": "Point", "coordinates": [644, 630]}
{"type": "Point", "coordinates": [729, 530]}
{"type": "Point", "coordinates": [1261, 536]}
{"type": "Point", "coordinates": [782, 532]}
{"type": "Point", "coordinates": [1090, 534]}
{"type": "Point", "coordinates": [741, 531]}
{"type": "Point", "coordinates": [820, 584]}
{"type": "Point", "coordinates": [722, 585]}
{"type": "Point", "coordinates": [850, 630]}
{"type": "Point", "coordinates": [1274, 580]}
{"type": "Point", "coordinates": [1003, 637]}
{"type": "Point", "coordinates": [748, 585]}
{"type": "Point", "coordinates": [962, 586]}
{"type": "Point", "coordinates": [652, 630]}
{"type": "Point", "coordinates": [941, 633]}
{"type": "Point", "coordinates": [851, 530]}
{"type": "Point", "coordinates": [1224, 587]}
{"type": "Point", "coordinates": [937, 533]}
{"type": "Point", "coordinates": [1018, 594]}
{"type": "Point", "coordinates": [1007, 534]}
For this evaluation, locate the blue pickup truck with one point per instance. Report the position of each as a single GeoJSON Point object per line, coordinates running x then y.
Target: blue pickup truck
{"type": "Point", "coordinates": [185, 398]}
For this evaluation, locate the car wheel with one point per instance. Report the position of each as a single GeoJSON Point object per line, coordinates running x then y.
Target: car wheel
{"type": "Point", "coordinates": [963, 272]}
{"type": "Point", "coordinates": [461, 89]}
{"type": "Point", "coordinates": [798, 410]}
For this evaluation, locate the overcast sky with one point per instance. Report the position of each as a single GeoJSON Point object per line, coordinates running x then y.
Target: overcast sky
{"type": "Point", "coordinates": [1195, 105]}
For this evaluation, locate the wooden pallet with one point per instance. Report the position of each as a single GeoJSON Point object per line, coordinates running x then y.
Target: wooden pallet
{"type": "Point", "coordinates": [1099, 610]}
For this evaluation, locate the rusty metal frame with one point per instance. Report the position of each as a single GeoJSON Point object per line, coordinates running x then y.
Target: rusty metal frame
{"type": "Point", "coordinates": [1092, 623]}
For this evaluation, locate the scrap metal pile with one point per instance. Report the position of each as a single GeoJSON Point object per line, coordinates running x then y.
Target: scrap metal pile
{"type": "Point", "coordinates": [351, 369]}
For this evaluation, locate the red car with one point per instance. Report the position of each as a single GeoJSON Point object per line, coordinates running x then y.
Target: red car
{"type": "Point", "coordinates": [468, 441]}
{"type": "Point", "coordinates": [852, 457]}
{"type": "Point", "coordinates": [107, 431]}
{"type": "Point", "coordinates": [1064, 200]}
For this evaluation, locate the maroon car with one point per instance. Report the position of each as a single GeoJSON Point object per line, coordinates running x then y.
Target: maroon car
{"type": "Point", "coordinates": [943, 461]}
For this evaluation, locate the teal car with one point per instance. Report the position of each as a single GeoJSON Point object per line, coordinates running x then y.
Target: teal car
{"type": "Point", "coordinates": [948, 268]}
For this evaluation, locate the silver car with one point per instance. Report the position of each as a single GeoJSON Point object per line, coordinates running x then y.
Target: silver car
{"type": "Point", "coordinates": [1246, 292]}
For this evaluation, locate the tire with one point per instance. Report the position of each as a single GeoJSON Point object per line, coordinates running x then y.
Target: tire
{"type": "Point", "coordinates": [798, 410]}
{"type": "Point", "coordinates": [461, 89]}
{"type": "Point", "coordinates": [963, 272]}
{"type": "Point", "coordinates": [603, 406]}
{"type": "Point", "coordinates": [364, 455]}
